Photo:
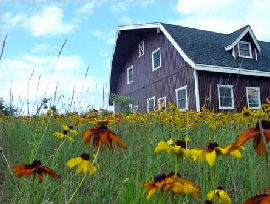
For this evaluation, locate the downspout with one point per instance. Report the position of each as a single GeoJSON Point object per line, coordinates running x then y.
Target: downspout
{"type": "Point", "coordinates": [196, 87]}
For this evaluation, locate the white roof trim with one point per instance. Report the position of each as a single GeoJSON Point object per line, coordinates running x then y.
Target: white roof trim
{"type": "Point", "coordinates": [214, 68]}
{"type": "Point", "coordinates": [169, 37]}
{"type": "Point", "coordinates": [248, 29]}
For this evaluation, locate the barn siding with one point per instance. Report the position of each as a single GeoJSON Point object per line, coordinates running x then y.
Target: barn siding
{"type": "Point", "coordinates": [209, 93]}
{"type": "Point", "coordinates": [174, 73]}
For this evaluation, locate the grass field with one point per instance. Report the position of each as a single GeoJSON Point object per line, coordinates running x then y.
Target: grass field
{"type": "Point", "coordinates": [119, 174]}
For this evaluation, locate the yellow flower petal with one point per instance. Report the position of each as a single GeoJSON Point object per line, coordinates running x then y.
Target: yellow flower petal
{"type": "Point", "coordinates": [236, 154]}
{"type": "Point", "coordinates": [170, 141]}
{"type": "Point", "coordinates": [163, 146]}
{"type": "Point", "coordinates": [211, 157]}
{"type": "Point", "coordinates": [74, 161]}
{"type": "Point", "coordinates": [210, 195]}
{"type": "Point", "coordinates": [224, 197]}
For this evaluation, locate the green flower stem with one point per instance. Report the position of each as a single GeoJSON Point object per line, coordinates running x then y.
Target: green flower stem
{"type": "Point", "coordinates": [76, 190]}
{"type": "Point", "coordinates": [176, 165]}
{"type": "Point", "coordinates": [55, 153]}
{"type": "Point", "coordinates": [172, 198]}
{"type": "Point", "coordinates": [163, 197]}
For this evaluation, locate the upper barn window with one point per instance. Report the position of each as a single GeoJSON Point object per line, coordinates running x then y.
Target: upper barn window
{"type": "Point", "coordinates": [141, 48]}
{"type": "Point", "coordinates": [244, 49]}
{"type": "Point", "coordinates": [156, 59]}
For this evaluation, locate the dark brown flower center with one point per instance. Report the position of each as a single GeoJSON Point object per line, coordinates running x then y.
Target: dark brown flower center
{"type": "Point", "coordinates": [181, 143]}
{"type": "Point", "coordinates": [70, 127]}
{"type": "Point", "coordinates": [36, 163]}
{"type": "Point", "coordinates": [85, 156]}
{"type": "Point", "coordinates": [208, 202]}
{"type": "Point", "coordinates": [173, 173]}
{"type": "Point", "coordinates": [220, 188]}
{"type": "Point", "coordinates": [102, 125]}
{"type": "Point", "coordinates": [265, 124]}
{"type": "Point", "coordinates": [159, 177]}
{"type": "Point", "coordinates": [212, 145]}
{"type": "Point", "coordinates": [65, 132]}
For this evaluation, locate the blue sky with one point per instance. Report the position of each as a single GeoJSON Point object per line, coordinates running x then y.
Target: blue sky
{"type": "Point", "coordinates": [37, 29]}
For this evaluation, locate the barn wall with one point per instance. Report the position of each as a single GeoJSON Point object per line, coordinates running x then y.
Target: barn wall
{"type": "Point", "coordinates": [208, 90]}
{"type": "Point", "coordinates": [174, 73]}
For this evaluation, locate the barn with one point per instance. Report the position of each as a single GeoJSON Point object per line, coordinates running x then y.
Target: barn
{"type": "Point", "coordinates": [158, 63]}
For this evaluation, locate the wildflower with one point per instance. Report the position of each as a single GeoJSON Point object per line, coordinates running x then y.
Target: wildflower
{"type": "Point", "coordinates": [63, 135]}
{"type": "Point", "coordinates": [207, 202]}
{"type": "Point", "coordinates": [219, 195]}
{"type": "Point", "coordinates": [210, 154]}
{"type": "Point", "coordinates": [34, 168]}
{"type": "Point", "coordinates": [172, 182]}
{"type": "Point", "coordinates": [102, 135]}
{"type": "Point", "coordinates": [172, 147]}
{"type": "Point", "coordinates": [83, 163]}
{"type": "Point", "coordinates": [126, 180]}
{"type": "Point", "coordinates": [254, 133]}
{"type": "Point", "coordinates": [69, 128]}
{"type": "Point", "coordinates": [246, 113]}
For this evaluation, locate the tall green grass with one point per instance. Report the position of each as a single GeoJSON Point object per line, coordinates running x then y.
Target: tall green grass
{"type": "Point", "coordinates": [24, 141]}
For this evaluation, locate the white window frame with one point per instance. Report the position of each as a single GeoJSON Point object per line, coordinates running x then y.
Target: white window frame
{"type": "Point", "coordinates": [232, 96]}
{"type": "Point", "coordinates": [154, 68]}
{"type": "Point", "coordinates": [249, 45]}
{"type": "Point", "coordinates": [176, 94]}
{"type": "Point", "coordinates": [135, 108]}
{"type": "Point", "coordinates": [148, 99]}
{"type": "Point", "coordinates": [128, 80]}
{"type": "Point", "coordinates": [141, 48]}
{"type": "Point", "coordinates": [130, 107]}
{"type": "Point", "coordinates": [165, 102]}
{"type": "Point", "coordinates": [259, 97]}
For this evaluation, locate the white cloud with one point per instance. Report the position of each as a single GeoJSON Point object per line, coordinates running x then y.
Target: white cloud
{"type": "Point", "coordinates": [48, 21]}
{"type": "Point", "coordinates": [87, 8]}
{"type": "Point", "coordinates": [226, 16]}
{"type": "Point", "coordinates": [69, 73]}
{"type": "Point", "coordinates": [120, 7]}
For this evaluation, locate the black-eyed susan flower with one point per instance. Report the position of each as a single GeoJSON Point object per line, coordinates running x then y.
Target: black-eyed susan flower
{"type": "Point", "coordinates": [172, 182]}
{"type": "Point", "coordinates": [35, 168]}
{"type": "Point", "coordinates": [259, 199]}
{"type": "Point", "coordinates": [254, 133]}
{"type": "Point", "coordinates": [178, 147]}
{"type": "Point", "coordinates": [64, 134]}
{"type": "Point", "coordinates": [219, 195]}
{"type": "Point", "coordinates": [210, 154]}
{"type": "Point", "coordinates": [83, 163]}
{"type": "Point", "coordinates": [152, 186]}
{"type": "Point", "coordinates": [102, 135]}
{"type": "Point", "coordinates": [246, 113]}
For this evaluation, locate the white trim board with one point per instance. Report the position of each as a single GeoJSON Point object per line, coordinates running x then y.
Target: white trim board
{"type": "Point", "coordinates": [248, 29]}
{"type": "Point", "coordinates": [231, 70]}
{"type": "Point", "coordinates": [169, 37]}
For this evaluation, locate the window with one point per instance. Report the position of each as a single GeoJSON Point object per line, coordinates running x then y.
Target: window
{"type": "Point", "coordinates": [244, 49]}
{"type": "Point", "coordinates": [130, 108]}
{"type": "Point", "coordinates": [162, 103]}
{"type": "Point", "coordinates": [129, 75]}
{"type": "Point", "coordinates": [253, 97]}
{"type": "Point", "coordinates": [225, 96]}
{"type": "Point", "coordinates": [135, 109]}
{"type": "Point", "coordinates": [151, 104]}
{"type": "Point", "coordinates": [181, 98]}
{"type": "Point", "coordinates": [156, 59]}
{"type": "Point", "coordinates": [141, 48]}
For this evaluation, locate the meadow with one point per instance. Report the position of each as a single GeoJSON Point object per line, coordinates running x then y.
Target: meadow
{"type": "Point", "coordinates": [122, 174]}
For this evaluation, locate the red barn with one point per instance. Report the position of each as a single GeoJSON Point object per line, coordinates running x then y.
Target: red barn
{"type": "Point", "coordinates": [159, 63]}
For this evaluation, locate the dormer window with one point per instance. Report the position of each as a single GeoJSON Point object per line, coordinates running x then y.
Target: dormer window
{"type": "Point", "coordinates": [244, 49]}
